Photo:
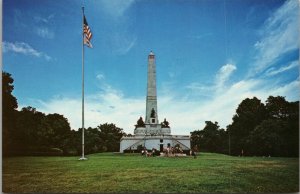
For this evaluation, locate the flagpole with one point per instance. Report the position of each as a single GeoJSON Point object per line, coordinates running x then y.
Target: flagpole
{"type": "Point", "coordinates": [82, 157]}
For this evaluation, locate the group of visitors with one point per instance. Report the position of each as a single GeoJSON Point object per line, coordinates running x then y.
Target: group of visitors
{"type": "Point", "coordinates": [172, 151]}
{"type": "Point", "coordinates": [145, 152]}
{"type": "Point", "coordinates": [168, 151]}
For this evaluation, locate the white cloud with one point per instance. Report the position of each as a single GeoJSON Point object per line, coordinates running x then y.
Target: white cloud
{"type": "Point", "coordinates": [272, 71]}
{"type": "Point", "coordinates": [44, 20]}
{"type": "Point", "coordinates": [20, 47]}
{"type": "Point", "coordinates": [100, 76]}
{"type": "Point", "coordinates": [100, 108]}
{"type": "Point", "coordinates": [38, 24]}
{"type": "Point", "coordinates": [42, 26]}
{"type": "Point", "coordinates": [218, 86]}
{"type": "Point", "coordinates": [44, 32]}
{"type": "Point", "coordinates": [184, 114]}
{"type": "Point", "coordinates": [124, 44]}
{"type": "Point", "coordinates": [190, 114]}
{"type": "Point", "coordinates": [290, 90]}
{"type": "Point", "coordinates": [116, 8]}
{"type": "Point", "coordinates": [280, 35]}
{"type": "Point", "coordinates": [223, 75]}
{"type": "Point", "coordinates": [23, 48]}
{"type": "Point", "coordinates": [198, 88]}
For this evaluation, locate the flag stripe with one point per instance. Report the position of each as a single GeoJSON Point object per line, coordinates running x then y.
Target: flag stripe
{"type": "Point", "coordinates": [87, 33]}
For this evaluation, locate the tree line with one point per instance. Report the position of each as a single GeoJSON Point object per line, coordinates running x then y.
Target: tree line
{"type": "Point", "coordinates": [30, 132]}
{"type": "Point", "coordinates": [257, 129]}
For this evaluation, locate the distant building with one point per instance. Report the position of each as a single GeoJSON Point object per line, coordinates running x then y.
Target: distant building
{"type": "Point", "coordinates": [152, 134]}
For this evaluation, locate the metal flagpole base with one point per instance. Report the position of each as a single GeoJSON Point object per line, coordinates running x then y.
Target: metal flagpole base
{"type": "Point", "coordinates": [82, 158]}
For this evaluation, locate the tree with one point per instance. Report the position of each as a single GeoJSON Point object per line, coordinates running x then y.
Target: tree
{"type": "Point", "coordinates": [72, 144]}
{"type": "Point", "coordinates": [257, 129]}
{"type": "Point", "coordinates": [196, 138]}
{"type": "Point", "coordinates": [9, 106]}
{"type": "Point", "coordinates": [277, 107]}
{"type": "Point", "coordinates": [267, 139]}
{"type": "Point", "coordinates": [93, 142]}
{"type": "Point", "coordinates": [260, 129]}
{"type": "Point", "coordinates": [111, 135]}
{"type": "Point", "coordinates": [59, 129]}
{"type": "Point", "coordinates": [211, 138]}
{"type": "Point", "coordinates": [293, 129]}
{"type": "Point", "coordinates": [36, 132]}
{"type": "Point", "coordinates": [249, 114]}
{"type": "Point", "coordinates": [280, 110]}
{"type": "Point", "coordinates": [9, 102]}
{"type": "Point", "coordinates": [32, 130]}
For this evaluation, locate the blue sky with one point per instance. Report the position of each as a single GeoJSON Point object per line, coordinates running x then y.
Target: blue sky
{"type": "Point", "coordinates": [210, 55]}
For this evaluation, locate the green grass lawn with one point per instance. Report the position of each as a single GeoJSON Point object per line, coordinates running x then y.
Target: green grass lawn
{"type": "Point", "coordinates": [133, 173]}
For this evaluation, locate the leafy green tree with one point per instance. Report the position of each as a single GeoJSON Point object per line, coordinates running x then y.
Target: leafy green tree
{"type": "Point", "coordinates": [267, 139]}
{"type": "Point", "coordinates": [9, 106]}
{"type": "Point", "coordinates": [249, 114]}
{"type": "Point", "coordinates": [58, 129]}
{"type": "Point", "coordinates": [277, 107]}
{"type": "Point", "coordinates": [111, 135]}
{"type": "Point", "coordinates": [72, 144]}
{"type": "Point", "coordinates": [280, 110]}
{"type": "Point", "coordinates": [36, 132]}
{"type": "Point", "coordinates": [257, 129]}
{"type": "Point", "coordinates": [272, 129]}
{"type": "Point", "coordinates": [9, 102]}
{"type": "Point", "coordinates": [293, 129]}
{"type": "Point", "coordinates": [32, 130]}
{"type": "Point", "coordinates": [211, 138]}
{"type": "Point", "coordinates": [93, 141]}
{"type": "Point", "coordinates": [196, 137]}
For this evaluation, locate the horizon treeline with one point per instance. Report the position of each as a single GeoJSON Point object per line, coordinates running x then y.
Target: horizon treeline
{"type": "Point", "coordinates": [257, 129]}
{"type": "Point", "coordinates": [30, 132]}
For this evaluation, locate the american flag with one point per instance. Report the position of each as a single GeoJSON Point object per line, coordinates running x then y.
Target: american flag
{"type": "Point", "coordinates": [87, 33]}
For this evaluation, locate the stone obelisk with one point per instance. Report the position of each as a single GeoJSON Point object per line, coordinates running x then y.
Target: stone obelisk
{"type": "Point", "coordinates": [151, 101]}
{"type": "Point", "coordinates": [151, 134]}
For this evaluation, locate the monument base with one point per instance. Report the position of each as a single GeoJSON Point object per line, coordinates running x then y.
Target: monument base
{"type": "Point", "coordinates": [158, 142]}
